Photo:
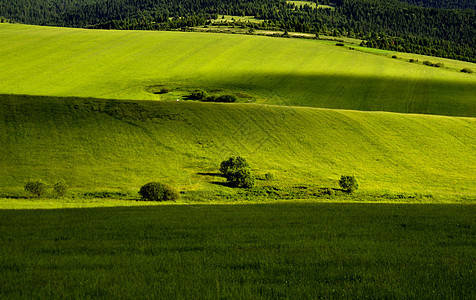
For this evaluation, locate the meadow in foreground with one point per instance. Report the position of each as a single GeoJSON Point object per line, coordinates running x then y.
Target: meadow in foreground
{"type": "Point", "coordinates": [294, 250]}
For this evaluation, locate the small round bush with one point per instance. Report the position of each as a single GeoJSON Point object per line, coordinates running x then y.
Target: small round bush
{"type": "Point", "coordinates": [60, 188]}
{"type": "Point", "coordinates": [348, 183]}
{"type": "Point", "coordinates": [156, 191]}
{"type": "Point", "coordinates": [269, 176]}
{"type": "Point", "coordinates": [36, 188]}
{"type": "Point", "coordinates": [466, 70]}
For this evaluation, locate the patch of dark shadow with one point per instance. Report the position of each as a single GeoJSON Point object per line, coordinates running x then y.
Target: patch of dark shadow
{"type": "Point", "coordinates": [13, 197]}
{"type": "Point", "coordinates": [336, 90]}
{"type": "Point", "coordinates": [210, 174]}
{"type": "Point", "coordinates": [227, 184]}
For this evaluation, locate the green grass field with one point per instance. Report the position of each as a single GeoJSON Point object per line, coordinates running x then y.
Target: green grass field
{"type": "Point", "coordinates": [107, 145]}
{"type": "Point", "coordinates": [122, 64]}
{"type": "Point", "coordinates": [85, 107]}
{"type": "Point", "coordinates": [240, 252]}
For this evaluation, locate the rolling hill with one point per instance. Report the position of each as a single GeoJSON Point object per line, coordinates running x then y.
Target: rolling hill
{"type": "Point", "coordinates": [97, 144]}
{"type": "Point", "coordinates": [126, 64]}
{"type": "Point", "coordinates": [66, 125]}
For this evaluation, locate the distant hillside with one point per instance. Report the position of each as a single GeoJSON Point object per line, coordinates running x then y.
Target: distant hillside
{"type": "Point", "coordinates": [424, 28]}
{"type": "Point", "coordinates": [106, 144]}
{"type": "Point", "coordinates": [137, 65]}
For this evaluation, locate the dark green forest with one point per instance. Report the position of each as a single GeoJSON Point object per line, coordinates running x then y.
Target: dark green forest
{"type": "Point", "coordinates": [470, 4]}
{"type": "Point", "coordinates": [433, 27]}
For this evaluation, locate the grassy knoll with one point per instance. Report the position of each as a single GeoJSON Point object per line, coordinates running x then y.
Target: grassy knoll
{"type": "Point", "coordinates": [303, 251]}
{"type": "Point", "coordinates": [123, 64]}
{"type": "Point", "coordinates": [119, 145]}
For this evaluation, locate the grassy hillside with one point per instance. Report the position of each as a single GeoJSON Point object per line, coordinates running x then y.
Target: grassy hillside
{"type": "Point", "coordinates": [107, 144]}
{"type": "Point", "coordinates": [125, 64]}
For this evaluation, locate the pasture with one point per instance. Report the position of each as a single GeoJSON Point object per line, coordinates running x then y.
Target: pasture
{"type": "Point", "coordinates": [97, 145]}
{"type": "Point", "coordinates": [240, 252]}
{"type": "Point", "coordinates": [125, 64]}
{"type": "Point", "coordinates": [106, 112]}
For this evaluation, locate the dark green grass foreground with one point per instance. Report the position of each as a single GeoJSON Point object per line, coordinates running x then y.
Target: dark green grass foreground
{"type": "Point", "coordinates": [269, 251]}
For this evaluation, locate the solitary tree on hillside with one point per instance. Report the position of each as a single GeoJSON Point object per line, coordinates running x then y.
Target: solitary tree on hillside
{"type": "Point", "coordinates": [237, 172]}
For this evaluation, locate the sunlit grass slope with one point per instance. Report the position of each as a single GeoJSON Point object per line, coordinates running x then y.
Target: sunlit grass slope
{"type": "Point", "coordinates": [122, 64]}
{"type": "Point", "coordinates": [107, 144]}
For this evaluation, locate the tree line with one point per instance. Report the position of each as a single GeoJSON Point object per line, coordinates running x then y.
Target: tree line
{"type": "Point", "coordinates": [417, 26]}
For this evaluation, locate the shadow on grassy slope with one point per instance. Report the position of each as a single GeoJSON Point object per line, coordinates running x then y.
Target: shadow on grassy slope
{"type": "Point", "coordinates": [365, 93]}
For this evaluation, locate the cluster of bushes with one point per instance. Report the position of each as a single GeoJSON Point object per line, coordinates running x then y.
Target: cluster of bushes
{"type": "Point", "coordinates": [163, 91]}
{"type": "Point", "coordinates": [430, 64]}
{"type": "Point", "coordinates": [237, 172]}
{"type": "Point", "coordinates": [203, 96]}
{"type": "Point", "coordinates": [466, 70]}
{"type": "Point", "coordinates": [38, 188]}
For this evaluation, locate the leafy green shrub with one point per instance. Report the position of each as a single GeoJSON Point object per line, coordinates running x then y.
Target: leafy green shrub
{"type": "Point", "coordinates": [107, 194]}
{"type": "Point", "coordinates": [439, 65]}
{"type": "Point", "coordinates": [329, 192]}
{"type": "Point", "coordinates": [348, 183]}
{"type": "Point", "coordinates": [241, 178]}
{"type": "Point", "coordinates": [394, 56]}
{"type": "Point", "coordinates": [222, 98]}
{"type": "Point", "coordinates": [340, 44]}
{"type": "Point", "coordinates": [36, 188]}
{"type": "Point", "coordinates": [237, 172]}
{"type": "Point", "coordinates": [226, 98]}
{"type": "Point", "coordinates": [156, 191]}
{"type": "Point", "coordinates": [269, 176]}
{"type": "Point", "coordinates": [466, 70]}
{"type": "Point", "coordinates": [428, 63]}
{"type": "Point", "coordinates": [198, 95]}
{"type": "Point", "coordinates": [232, 163]}
{"type": "Point", "coordinates": [412, 60]}
{"type": "Point", "coordinates": [60, 188]}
